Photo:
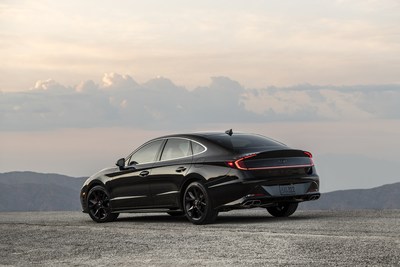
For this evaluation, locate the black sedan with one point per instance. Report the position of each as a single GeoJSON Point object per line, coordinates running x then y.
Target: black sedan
{"type": "Point", "coordinates": [201, 174]}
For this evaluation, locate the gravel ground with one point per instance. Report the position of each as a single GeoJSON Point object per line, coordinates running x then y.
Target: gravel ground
{"type": "Point", "coordinates": [238, 238]}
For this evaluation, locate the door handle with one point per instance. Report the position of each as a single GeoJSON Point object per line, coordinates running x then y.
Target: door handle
{"type": "Point", "coordinates": [181, 169]}
{"type": "Point", "coordinates": [144, 173]}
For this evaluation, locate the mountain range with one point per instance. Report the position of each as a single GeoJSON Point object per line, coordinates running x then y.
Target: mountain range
{"type": "Point", "coordinates": [30, 191]}
{"type": "Point", "coordinates": [382, 197]}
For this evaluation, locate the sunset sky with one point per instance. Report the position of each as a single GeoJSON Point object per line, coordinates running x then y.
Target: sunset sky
{"type": "Point", "coordinates": [84, 82]}
{"type": "Point", "coordinates": [257, 43]}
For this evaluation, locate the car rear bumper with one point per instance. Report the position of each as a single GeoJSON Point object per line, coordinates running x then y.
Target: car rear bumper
{"type": "Point", "coordinates": [238, 193]}
{"type": "Point", "coordinates": [264, 202]}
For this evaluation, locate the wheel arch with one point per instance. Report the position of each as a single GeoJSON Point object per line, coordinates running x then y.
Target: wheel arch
{"type": "Point", "coordinates": [93, 184]}
{"type": "Point", "coordinates": [193, 177]}
{"type": "Point", "coordinates": [85, 192]}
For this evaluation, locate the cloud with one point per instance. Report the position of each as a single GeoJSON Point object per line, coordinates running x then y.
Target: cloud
{"type": "Point", "coordinates": [115, 80]}
{"type": "Point", "coordinates": [161, 104]}
{"type": "Point", "coordinates": [48, 84]}
{"type": "Point", "coordinates": [86, 86]}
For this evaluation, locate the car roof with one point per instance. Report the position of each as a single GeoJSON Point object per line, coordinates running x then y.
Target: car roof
{"type": "Point", "coordinates": [200, 134]}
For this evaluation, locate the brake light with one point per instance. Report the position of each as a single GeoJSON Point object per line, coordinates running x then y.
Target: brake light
{"type": "Point", "coordinates": [308, 154]}
{"type": "Point", "coordinates": [231, 164]}
{"type": "Point", "coordinates": [239, 164]}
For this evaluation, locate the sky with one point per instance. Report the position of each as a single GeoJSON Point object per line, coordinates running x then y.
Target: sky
{"type": "Point", "coordinates": [83, 83]}
{"type": "Point", "coordinates": [258, 43]}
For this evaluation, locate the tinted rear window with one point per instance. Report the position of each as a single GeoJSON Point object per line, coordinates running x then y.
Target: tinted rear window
{"type": "Point", "coordinates": [243, 141]}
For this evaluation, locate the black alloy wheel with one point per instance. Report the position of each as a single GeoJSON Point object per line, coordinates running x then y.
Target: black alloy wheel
{"type": "Point", "coordinates": [283, 209]}
{"type": "Point", "coordinates": [99, 205]}
{"type": "Point", "coordinates": [197, 204]}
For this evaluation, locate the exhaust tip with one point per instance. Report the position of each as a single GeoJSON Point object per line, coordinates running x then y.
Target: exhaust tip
{"type": "Point", "coordinates": [314, 187]}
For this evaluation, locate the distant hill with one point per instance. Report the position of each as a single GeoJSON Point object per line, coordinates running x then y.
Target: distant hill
{"type": "Point", "coordinates": [30, 191]}
{"type": "Point", "coordinates": [382, 197]}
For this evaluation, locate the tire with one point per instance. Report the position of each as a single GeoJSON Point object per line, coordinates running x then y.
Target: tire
{"type": "Point", "coordinates": [98, 202]}
{"type": "Point", "coordinates": [198, 205]}
{"type": "Point", "coordinates": [283, 210]}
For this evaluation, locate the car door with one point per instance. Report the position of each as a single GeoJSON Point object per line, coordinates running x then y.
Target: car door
{"type": "Point", "coordinates": [169, 172]}
{"type": "Point", "coordinates": [130, 188]}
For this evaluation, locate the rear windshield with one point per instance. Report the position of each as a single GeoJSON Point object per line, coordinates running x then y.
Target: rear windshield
{"type": "Point", "coordinates": [239, 142]}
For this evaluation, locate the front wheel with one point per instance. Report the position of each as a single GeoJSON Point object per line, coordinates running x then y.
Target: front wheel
{"type": "Point", "coordinates": [197, 204]}
{"type": "Point", "coordinates": [283, 209]}
{"type": "Point", "coordinates": [99, 205]}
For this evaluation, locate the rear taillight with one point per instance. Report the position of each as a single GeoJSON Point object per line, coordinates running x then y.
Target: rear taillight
{"type": "Point", "coordinates": [239, 164]}
{"type": "Point", "coordinates": [308, 154]}
{"type": "Point", "coordinates": [231, 164]}
{"type": "Point", "coordinates": [271, 163]}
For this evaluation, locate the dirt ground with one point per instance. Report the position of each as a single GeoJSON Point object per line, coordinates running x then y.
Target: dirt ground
{"type": "Point", "coordinates": [239, 238]}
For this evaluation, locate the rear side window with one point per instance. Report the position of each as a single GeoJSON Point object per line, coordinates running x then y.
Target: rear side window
{"type": "Point", "coordinates": [176, 148]}
{"type": "Point", "coordinates": [244, 141]}
{"type": "Point", "coordinates": [197, 148]}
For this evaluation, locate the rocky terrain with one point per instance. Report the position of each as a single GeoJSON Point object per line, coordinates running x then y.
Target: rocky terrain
{"type": "Point", "coordinates": [239, 238]}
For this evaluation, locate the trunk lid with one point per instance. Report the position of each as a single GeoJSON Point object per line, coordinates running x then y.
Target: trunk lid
{"type": "Point", "coordinates": [282, 162]}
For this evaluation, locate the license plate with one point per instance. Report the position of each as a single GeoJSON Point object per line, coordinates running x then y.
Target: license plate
{"type": "Point", "coordinates": [287, 190]}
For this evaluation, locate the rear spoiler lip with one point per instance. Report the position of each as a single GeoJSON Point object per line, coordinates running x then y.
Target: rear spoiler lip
{"type": "Point", "coordinates": [260, 152]}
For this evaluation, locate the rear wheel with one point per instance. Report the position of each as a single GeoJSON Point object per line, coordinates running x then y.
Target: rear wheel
{"type": "Point", "coordinates": [99, 205]}
{"type": "Point", "coordinates": [197, 204]}
{"type": "Point", "coordinates": [283, 209]}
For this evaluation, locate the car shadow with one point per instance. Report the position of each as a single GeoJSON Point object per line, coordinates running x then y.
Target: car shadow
{"type": "Point", "coordinates": [150, 218]}
{"type": "Point", "coordinates": [256, 219]}
{"type": "Point", "coordinates": [223, 218]}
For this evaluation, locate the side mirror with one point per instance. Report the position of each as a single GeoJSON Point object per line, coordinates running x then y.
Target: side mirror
{"type": "Point", "coordinates": [121, 163]}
